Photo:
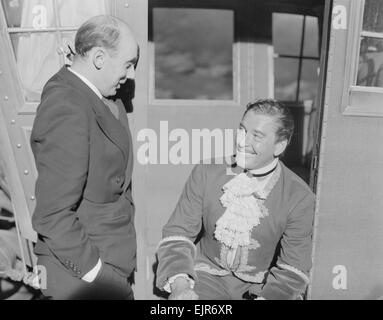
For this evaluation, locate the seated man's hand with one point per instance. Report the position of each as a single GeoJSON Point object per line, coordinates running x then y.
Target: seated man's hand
{"type": "Point", "coordinates": [181, 290]}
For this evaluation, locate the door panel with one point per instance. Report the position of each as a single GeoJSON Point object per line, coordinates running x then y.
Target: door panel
{"type": "Point", "coordinates": [202, 73]}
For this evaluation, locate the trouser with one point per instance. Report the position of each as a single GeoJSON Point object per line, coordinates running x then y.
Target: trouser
{"type": "Point", "coordinates": [61, 285]}
{"type": "Point", "coordinates": [210, 287]}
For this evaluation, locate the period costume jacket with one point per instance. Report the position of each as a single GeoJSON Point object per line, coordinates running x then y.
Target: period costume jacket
{"type": "Point", "coordinates": [262, 236]}
{"type": "Point", "coordinates": [84, 209]}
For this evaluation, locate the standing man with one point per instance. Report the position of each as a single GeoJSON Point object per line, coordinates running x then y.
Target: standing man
{"type": "Point", "coordinates": [83, 151]}
{"type": "Point", "coordinates": [256, 217]}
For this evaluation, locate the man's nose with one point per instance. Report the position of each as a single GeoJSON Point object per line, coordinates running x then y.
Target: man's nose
{"type": "Point", "coordinates": [131, 73]}
{"type": "Point", "coordinates": [243, 138]}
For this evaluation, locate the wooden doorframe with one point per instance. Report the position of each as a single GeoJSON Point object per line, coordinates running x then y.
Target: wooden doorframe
{"type": "Point", "coordinates": [321, 97]}
{"type": "Point", "coordinates": [322, 105]}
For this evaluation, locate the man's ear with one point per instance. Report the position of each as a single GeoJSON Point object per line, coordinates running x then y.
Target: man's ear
{"type": "Point", "coordinates": [98, 57]}
{"type": "Point", "coordinates": [280, 148]}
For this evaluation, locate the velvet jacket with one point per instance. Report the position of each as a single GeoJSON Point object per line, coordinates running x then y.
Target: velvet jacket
{"type": "Point", "coordinates": [278, 259]}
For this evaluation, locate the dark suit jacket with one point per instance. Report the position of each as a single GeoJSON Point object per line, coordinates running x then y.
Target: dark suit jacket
{"type": "Point", "coordinates": [83, 154]}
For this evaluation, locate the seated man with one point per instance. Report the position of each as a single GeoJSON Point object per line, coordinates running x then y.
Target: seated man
{"type": "Point", "coordinates": [256, 218]}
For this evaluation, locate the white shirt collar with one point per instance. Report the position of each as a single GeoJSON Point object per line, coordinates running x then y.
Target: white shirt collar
{"type": "Point", "coordinates": [87, 82]}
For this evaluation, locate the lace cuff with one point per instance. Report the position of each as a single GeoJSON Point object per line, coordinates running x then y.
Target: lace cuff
{"type": "Point", "coordinates": [171, 280]}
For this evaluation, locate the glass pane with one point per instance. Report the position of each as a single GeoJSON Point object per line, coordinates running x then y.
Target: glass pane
{"type": "Point", "coordinates": [373, 16]}
{"type": "Point", "coordinates": [74, 12]}
{"type": "Point", "coordinates": [287, 33]}
{"type": "Point", "coordinates": [311, 44]}
{"type": "Point", "coordinates": [37, 60]}
{"type": "Point", "coordinates": [12, 12]}
{"type": "Point", "coordinates": [36, 14]}
{"type": "Point", "coordinates": [309, 80]}
{"type": "Point", "coordinates": [39, 14]}
{"type": "Point", "coordinates": [370, 70]}
{"type": "Point", "coordinates": [286, 79]}
{"type": "Point", "coordinates": [193, 53]}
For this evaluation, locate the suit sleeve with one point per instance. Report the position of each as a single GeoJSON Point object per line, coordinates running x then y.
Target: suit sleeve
{"type": "Point", "coordinates": [288, 279]}
{"type": "Point", "coordinates": [177, 252]}
{"type": "Point", "coordinates": [60, 142]}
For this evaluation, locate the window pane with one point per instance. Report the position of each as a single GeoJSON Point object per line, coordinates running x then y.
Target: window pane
{"type": "Point", "coordinates": [370, 70]}
{"type": "Point", "coordinates": [311, 44]}
{"type": "Point", "coordinates": [45, 50]}
{"type": "Point", "coordinates": [286, 79]}
{"type": "Point", "coordinates": [40, 14]}
{"type": "Point", "coordinates": [12, 12]}
{"type": "Point", "coordinates": [37, 14]}
{"type": "Point", "coordinates": [287, 33]}
{"type": "Point", "coordinates": [373, 16]}
{"type": "Point", "coordinates": [309, 80]}
{"type": "Point", "coordinates": [193, 53]}
{"type": "Point", "coordinates": [73, 13]}
{"type": "Point", "coordinates": [37, 60]}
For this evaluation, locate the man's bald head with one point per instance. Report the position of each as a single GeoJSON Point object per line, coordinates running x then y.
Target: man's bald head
{"type": "Point", "coordinates": [107, 53]}
{"type": "Point", "coordinates": [101, 31]}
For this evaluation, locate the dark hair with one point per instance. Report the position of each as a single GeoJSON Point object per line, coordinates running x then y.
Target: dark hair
{"type": "Point", "coordinates": [100, 31]}
{"type": "Point", "coordinates": [281, 114]}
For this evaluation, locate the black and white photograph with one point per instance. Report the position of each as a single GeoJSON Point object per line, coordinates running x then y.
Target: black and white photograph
{"type": "Point", "coordinates": [210, 151]}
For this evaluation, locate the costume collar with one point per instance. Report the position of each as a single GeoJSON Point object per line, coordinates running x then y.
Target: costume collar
{"type": "Point", "coordinates": [262, 171]}
{"type": "Point", "coordinates": [265, 186]}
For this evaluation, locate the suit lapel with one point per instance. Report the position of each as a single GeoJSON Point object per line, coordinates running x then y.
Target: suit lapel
{"type": "Point", "coordinates": [111, 127]}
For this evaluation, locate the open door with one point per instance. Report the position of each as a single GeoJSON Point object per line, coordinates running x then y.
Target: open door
{"type": "Point", "coordinates": [202, 62]}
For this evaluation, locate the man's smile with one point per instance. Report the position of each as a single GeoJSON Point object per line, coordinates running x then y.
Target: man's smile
{"type": "Point", "coordinates": [244, 152]}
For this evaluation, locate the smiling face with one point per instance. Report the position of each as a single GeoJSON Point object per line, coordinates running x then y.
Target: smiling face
{"type": "Point", "coordinates": [257, 143]}
{"type": "Point", "coordinates": [115, 68]}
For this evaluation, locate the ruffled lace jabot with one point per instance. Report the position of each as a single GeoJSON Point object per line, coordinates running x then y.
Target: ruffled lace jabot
{"type": "Point", "coordinates": [243, 211]}
{"type": "Point", "coordinates": [243, 199]}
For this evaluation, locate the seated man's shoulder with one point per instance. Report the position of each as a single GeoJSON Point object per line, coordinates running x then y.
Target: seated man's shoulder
{"type": "Point", "coordinates": [296, 184]}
